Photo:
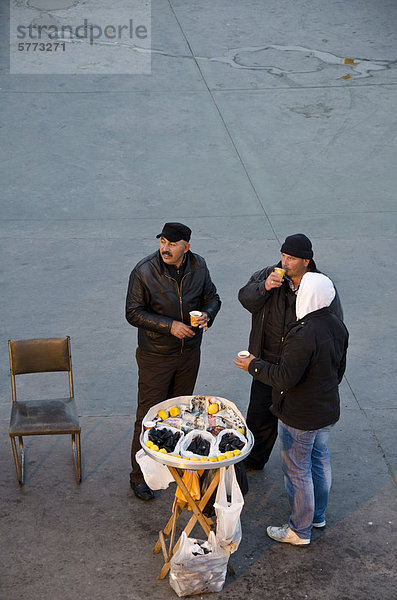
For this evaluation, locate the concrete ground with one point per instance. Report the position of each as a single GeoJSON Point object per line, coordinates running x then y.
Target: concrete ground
{"type": "Point", "coordinates": [252, 125]}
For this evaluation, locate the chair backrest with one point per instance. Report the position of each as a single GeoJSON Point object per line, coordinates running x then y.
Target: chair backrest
{"type": "Point", "coordinates": [41, 355]}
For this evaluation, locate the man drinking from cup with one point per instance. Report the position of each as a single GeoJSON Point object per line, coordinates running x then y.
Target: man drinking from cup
{"type": "Point", "coordinates": [270, 297]}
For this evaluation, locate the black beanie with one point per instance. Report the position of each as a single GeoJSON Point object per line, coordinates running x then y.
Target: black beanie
{"type": "Point", "coordinates": [297, 245]}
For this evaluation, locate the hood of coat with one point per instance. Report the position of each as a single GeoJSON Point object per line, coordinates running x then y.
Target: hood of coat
{"type": "Point", "coordinates": [315, 291]}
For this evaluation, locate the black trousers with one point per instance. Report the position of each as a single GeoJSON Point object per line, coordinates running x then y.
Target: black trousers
{"type": "Point", "coordinates": [160, 377]}
{"type": "Point", "coordinates": [262, 423]}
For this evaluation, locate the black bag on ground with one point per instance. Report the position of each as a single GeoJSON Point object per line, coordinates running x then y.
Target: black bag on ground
{"type": "Point", "coordinates": [209, 475]}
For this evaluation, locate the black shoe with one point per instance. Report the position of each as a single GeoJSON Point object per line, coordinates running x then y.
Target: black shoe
{"type": "Point", "coordinates": [142, 490]}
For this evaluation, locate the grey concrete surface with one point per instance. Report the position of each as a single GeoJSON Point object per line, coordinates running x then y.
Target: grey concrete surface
{"type": "Point", "coordinates": [247, 131]}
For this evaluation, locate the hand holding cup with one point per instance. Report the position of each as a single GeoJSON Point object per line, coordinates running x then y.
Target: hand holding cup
{"type": "Point", "coordinates": [199, 319]}
{"type": "Point", "coordinates": [280, 272]}
{"type": "Point", "coordinates": [243, 360]}
{"type": "Point", "coordinates": [275, 279]}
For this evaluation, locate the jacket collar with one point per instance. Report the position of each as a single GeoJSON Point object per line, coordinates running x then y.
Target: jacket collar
{"type": "Point", "coordinates": [312, 315]}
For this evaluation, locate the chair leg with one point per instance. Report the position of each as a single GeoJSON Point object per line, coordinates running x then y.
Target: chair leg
{"type": "Point", "coordinates": [76, 445]}
{"type": "Point", "coordinates": [19, 459]}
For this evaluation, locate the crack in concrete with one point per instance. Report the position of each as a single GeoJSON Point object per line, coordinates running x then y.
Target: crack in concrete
{"type": "Point", "coordinates": [373, 434]}
{"type": "Point", "coordinates": [361, 67]}
{"type": "Point", "coordinates": [50, 5]}
{"type": "Point", "coordinates": [238, 58]}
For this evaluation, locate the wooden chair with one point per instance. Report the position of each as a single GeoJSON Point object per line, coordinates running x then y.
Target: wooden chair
{"type": "Point", "coordinates": [42, 417]}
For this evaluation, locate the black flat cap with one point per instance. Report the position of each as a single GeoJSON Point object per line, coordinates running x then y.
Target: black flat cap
{"type": "Point", "coordinates": [174, 232]}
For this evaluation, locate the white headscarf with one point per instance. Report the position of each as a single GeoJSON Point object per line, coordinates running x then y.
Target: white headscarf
{"type": "Point", "coordinates": [315, 291]}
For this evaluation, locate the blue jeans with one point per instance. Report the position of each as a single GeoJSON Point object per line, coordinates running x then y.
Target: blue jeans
{"type": "Point", "coordinates": [307, 475]}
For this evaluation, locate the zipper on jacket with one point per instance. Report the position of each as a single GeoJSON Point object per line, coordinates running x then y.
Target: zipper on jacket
{"type": "Point", "coordinates": [261, 350]}
{"type": "Point", "coordinates": [180, 304]}
{"type": "Point", "coordinates": [179, 291]}
{"type": "Point", "coordinates": [285, 314]}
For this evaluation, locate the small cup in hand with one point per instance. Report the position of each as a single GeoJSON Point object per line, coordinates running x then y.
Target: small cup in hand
{"type": "Point", "coordinates": [280, 272]}
{"type": "Point", "coordinates": [194, 315]}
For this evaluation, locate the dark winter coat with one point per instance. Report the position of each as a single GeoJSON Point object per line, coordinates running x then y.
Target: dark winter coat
{"type": "Point", "coordinates": [305, 382]}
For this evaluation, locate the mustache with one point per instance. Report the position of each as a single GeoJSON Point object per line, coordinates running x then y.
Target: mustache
{"type": "Point", "coordinates": [165, 253]}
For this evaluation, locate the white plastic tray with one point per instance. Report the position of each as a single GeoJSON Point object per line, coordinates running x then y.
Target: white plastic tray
{"type": "Point", "coordinates": [191, 465]}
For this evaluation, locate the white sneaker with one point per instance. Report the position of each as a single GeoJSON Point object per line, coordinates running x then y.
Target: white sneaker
{"type": "Point", "coordinates": [285, 534]}
{"type": "Point", "coordinates": [322, 524]}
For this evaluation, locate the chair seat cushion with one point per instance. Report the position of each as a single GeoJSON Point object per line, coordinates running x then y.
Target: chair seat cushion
{"type": "Point", "coordinates": [40, 417]}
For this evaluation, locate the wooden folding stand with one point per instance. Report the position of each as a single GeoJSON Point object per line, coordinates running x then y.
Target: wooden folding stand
{"type": "Point", "coordinates": [197, 507]}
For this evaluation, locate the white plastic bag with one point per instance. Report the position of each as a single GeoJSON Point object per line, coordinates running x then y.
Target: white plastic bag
{"type": "Point", "coordinates": [228, 525]}
{"type": "Point", "coordinates": [156, 475]}
{"type": "Point", "coordinates": [195, 574]}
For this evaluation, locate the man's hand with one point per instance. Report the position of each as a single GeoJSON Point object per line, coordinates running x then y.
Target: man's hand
{"type": "Point", "coordinates": [273, 281]}
{"type": "Point", "coordinates": [202, 321]}
{"type": "Point", "coordinates": [180, 330]}
{"type": "Point", "coordinates": [243, 363]}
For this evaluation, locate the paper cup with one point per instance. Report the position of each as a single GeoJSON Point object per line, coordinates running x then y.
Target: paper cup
{"type": "Point", "coordinates": [280, 272]}
{"type": "Point", "coordinates": [243, 354]}
{"type": "Point", "coordinates": [194, 315]}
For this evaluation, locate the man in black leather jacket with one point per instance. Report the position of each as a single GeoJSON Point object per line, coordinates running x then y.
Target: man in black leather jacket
{"type": "Point", "coordinates": [271, 301]}
{"type": "Point", "coordinates": [163, 288]}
